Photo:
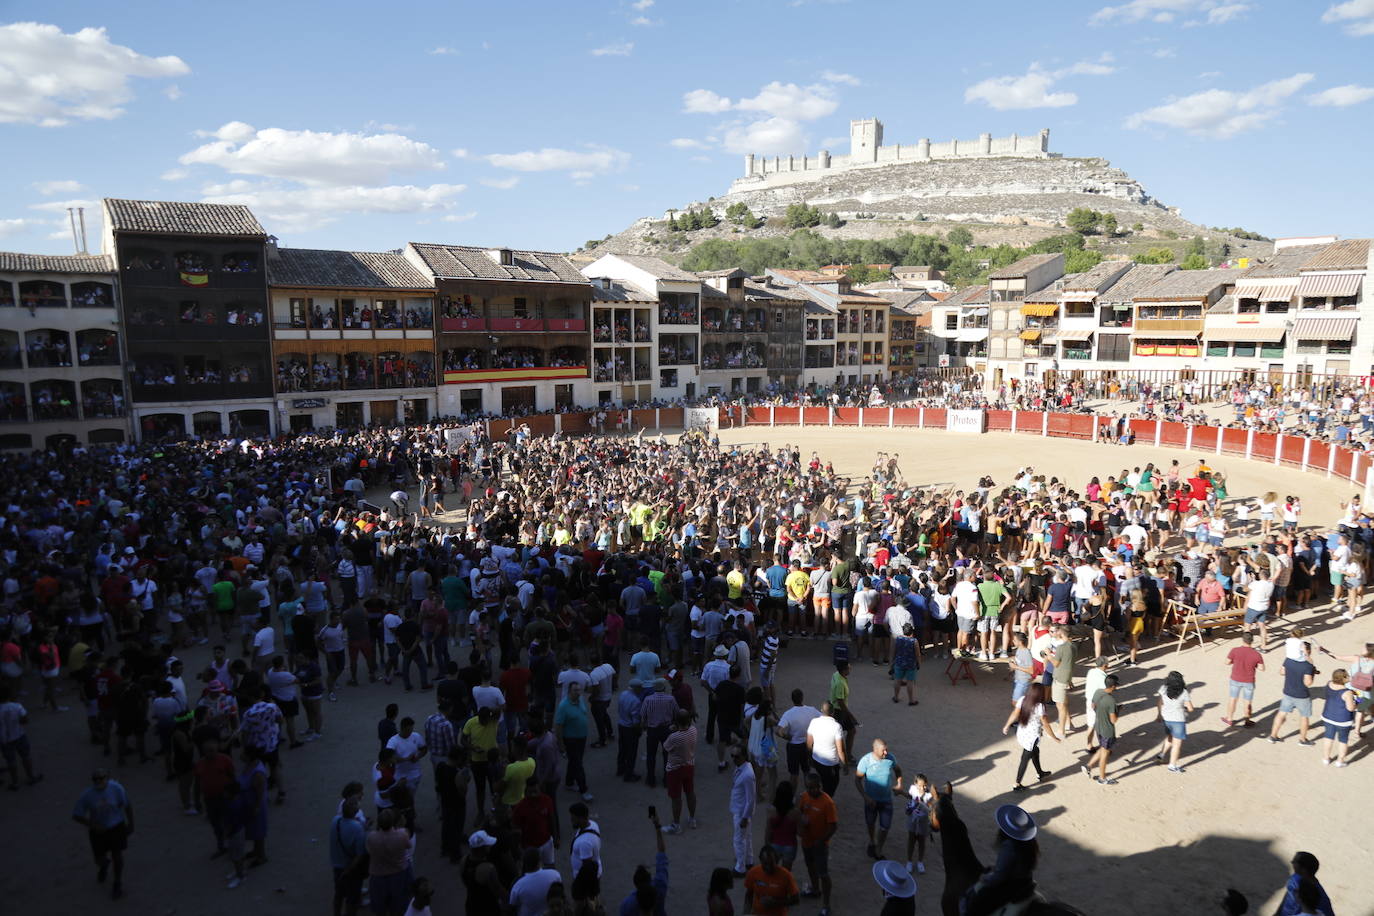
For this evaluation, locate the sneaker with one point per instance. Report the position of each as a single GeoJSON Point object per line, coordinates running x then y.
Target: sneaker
{"type": "Point", "coordinates": [1326, 761]}
{"type": "Point", "coordinates": [1347, 616]}
{"type": "Point", "coordinates": [910, 868]}
{"type": "Point", "coordinates": [234, 882]}
{"type": "Point", "coordinates": [1272, 740]}
{"type": "Point", "coordinates": [314, 736]}
{"type": "Point", "coordinates": [1340, 763]}
{"type": "Point", "coordinates": [587, 796]}
{"type": "Point", "coordinates": [1107, 782]}
{"type": "Point", "coordinates": [1086, 772]}
{"type": "Point", "coordinates": [920, 868]}
{"type": "Point", "coordinates": [692, 823]}
{"type": "Point", "coordinates": [1174, 769]}
{"type": "Point", "coordinates": [333, 697]}
{"type": "Point", "coordinates": [1307, 742]}
{"type": "Point", "coordinates": [672, 828]}
{"type": "Point", "coordinates": [192, 812]}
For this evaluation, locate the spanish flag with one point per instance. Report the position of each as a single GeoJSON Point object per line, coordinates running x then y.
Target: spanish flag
{"type": "Point", "coordinates": [194, 278]}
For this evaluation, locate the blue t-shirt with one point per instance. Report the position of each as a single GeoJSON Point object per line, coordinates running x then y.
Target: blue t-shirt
{"type": "Point", "coordinates": [104, 808]}
{"type": "Point", "coordinates": [1060, 592]}
{"type": "Point", "coordinates": [1293, 673]}
{"type": "Point", "coordinates": [777, 577]}
{"type": "Point", "coordinates": [573, 718]}
{"type": "Point", "coordinates": [904, 652]}
{"type": "Point", "coordinates": [879, 777]}
{"type": "Point", "coordinates": [1290, 905]}
{"type": "Point", "coordinates": [347, 840]}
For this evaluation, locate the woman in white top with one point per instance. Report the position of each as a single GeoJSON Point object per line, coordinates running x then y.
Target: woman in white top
{"type": "Point", "coordinates": [1267, 504]}
{"type": "Point", "coordinates": [865, 604]}
{"type": "Point", "coordinates": [1031, 724]}
{"type": "Point", "coordinates": [1173, 703]}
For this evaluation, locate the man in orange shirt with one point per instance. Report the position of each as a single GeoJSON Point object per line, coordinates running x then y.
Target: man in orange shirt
{"type": "Point", "coordinates": [819, 821]}
{"type": "Point", "coordinates": [769, 889]}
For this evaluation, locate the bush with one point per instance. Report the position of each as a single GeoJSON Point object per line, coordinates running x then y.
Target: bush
{"type": "Point", "coordinates": [1194, 261]}
{"type": "Point", "coordinates": [959, 236]}
{"type": "Point", "coordinates": [1081, 219]}
{"type": "Point", "coordinates": [800, 216]}
{"type": "Point", "coordinates": [1156, 256]}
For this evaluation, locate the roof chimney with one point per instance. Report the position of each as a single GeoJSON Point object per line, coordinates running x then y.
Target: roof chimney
{"type": "Point", "coordinates": [501, 256]}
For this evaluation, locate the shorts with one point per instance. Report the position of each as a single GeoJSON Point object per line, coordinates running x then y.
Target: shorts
{"type": "Point", "coordinates": [918, 825]}
{"type": "Point", "coordinates": [1107, 743]}
{"type": "Point", "coordinates": [1243, 690]}
{"type": "Point", "coordinates": [1255, 615]}
{"type": "Point", "coordinates": [288, 708]}
{"type": "Point", "coordinates": [679, 780]}
{"type": "Point", "coordinates": [15, 750]}
{"type": "Point", "coordinates": [821, 603]}
{"type": "Point", "coordinates": [766, 673]}
{"type": "Point", "coordinates": [115, 839]}
{"type": "Point", "coordinates": [1337, 577]}
{"type": "Point", "coordinates": [1136, 626]}
{"type": "Point", "coordinates": [843, 602]}
{"type": "Point", "coordinates": [798, 759]}
{"type": "Point", "coordinates": [987, 624]}
{"type": "Point", "coordinates": [1019, 689]}
{"type": "Point", "coordinates": [1059, 692]}
{"type": "Point", "coordinates": [1208, 607]}
{"type": "Point", "coordinates": [1280, 592]}
{"type": "Point", "coordinates": [348, 884]}
{"type": "Point", "coordinates": [335, 662]}
{"type": "Point", "coordinates": [879, 812]}
{"type": "Point", "coordinates": [904, 674]}
{"type": "Point", "coordinates": [966, 624]}
{"type": "Point", "coordinates": [698, 646]}
{"type": "Point", "coordinates": [1177, 730]}
{"type": "Point", "coordinates": [1338, 733]}
{"type": "Point", "coordinates": [881, 631]}
{"type": "Point", "coordinates": [674, 640]}
{"type": "Point", "coordinates": [1300, 705]}
{"type": "Point", "coordinates": [817, 859]}
{"type": "Point", "coordinates": [786, 854]}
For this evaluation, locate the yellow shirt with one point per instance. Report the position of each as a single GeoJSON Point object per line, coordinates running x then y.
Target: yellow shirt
{"type": "Point", "coordinates": [797, 584]}
{"type": "Point", "coordinates": [734, 579]}
{"type": "Point", "coordinates": [518, 772]}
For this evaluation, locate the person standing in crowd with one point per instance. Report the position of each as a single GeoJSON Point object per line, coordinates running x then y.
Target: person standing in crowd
{"type": "Point", "coordinates": [1174, 703]}
{"type": "Point", "coordinates": [878, 778]}
{"type": "Point", "coordinates": [629, 709]}
{"type": "Point", "coordinates": [657, 714]}
{"type": "Point", "coordinates": [1244, 660]}
{"type": "Point", "coordinates": [769, 889]}
{"type": "Point", "coordinates": [825, 741]}
{"type": "Point", "coordinates": [14, 739]}
{"type": "Point", "coordinates": [390, 878]}
{"type": "Point", "coordinates": [1104, 724]}
{"type": "Point", "coordinates": [571, 724]}
{"type": "Point", "coordinates": [793, 727]}
{"type": "Point", "coordinates": [1338, 718]}
{"type": "Point", "coordinates": [1298, 676]}
{"type": "Point", "coordinates": [1062, 657]}
{"type": "Point", "coordinates": [742, 800]}
{"type": "Point", "coordinates": [347, 852]}
{"type": "Point", "coordinates": [679, 760]}
{"type": "Point", "coordinates": [650, 894]}
{"type": "Point", "coordinates": [1304, 879]}
{"type": "Point", "coordinates": [1032, 723]}
{"type": "Point", "coordinates": [108, 816]}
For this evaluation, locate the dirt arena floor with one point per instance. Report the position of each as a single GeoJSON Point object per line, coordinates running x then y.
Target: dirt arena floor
{"type": "Point", "coordinates": [1155, 843]}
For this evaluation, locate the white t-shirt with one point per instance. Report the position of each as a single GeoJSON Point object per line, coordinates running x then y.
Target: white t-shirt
{"type": "Point", "coordinates": [389, 624]}
{"type": "Point", "coordinates": [572, 676]}
{"type": "Point", "coordinates": [824, 731]}
{"type": "Point", "coordinates": [488, 697]}
{"type": "Point", "coordinates": [796, 721]}
{"type": "Point", "coordinates": [1028, 734]}
{"type": "Point", "coordinates": [601, 677]}
{"type": "Point", "coordinates": [409, 770]}
{"type": "Point", "coordinates": [1175, 710]}
{"type": "Point", "coordinates": [586, 845]}
{"type": "Point", "coordinates": [265, 642]}
{"type": "Point", "coordinates": [1258, 596]}
{"type": "Point", "coordinates": [966, 600]}
{"type": "Point", "coordinates": [529, 894]}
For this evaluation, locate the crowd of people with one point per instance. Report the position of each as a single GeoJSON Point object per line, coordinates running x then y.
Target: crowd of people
{"type": "Point", "coordinates": [614, 595]}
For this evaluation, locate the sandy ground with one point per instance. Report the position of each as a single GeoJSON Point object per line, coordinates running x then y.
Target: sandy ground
{"type": "Point", "coordinates": [1157, 842]}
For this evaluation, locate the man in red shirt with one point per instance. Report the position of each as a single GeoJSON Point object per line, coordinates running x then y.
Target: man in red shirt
{"type": "Point", "coordinates": [106, 684]}
{"type": "Point", "coordinates": [214, 771]}
{"type": "Point", "coordinates": [535, 818]}
{"type": "Point", "coordinates": [1244, 660]}
{"type": "Point", "coordinates": [515, 687]}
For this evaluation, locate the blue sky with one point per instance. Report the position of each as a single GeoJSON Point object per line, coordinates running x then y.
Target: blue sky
{"type": "Point", "coordinates": [541, 125]}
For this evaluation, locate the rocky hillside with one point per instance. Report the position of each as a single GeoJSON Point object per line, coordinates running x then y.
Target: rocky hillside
{"type": "Point", "coordinates": [1013, 201]}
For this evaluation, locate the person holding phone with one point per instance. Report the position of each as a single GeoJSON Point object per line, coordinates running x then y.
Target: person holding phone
{"type": "Point", "coordinates": [650, 896]}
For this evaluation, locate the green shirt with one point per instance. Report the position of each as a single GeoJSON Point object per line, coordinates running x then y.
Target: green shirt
{"type": "Point", "coordinates": [1104, 707]}
{"type": "Point", "coordinates": [839, 689]}
{"type": "Point", "coordinates": [839, 578]}
{"type": "Point", "coordinates": [1063, 663]}
{"type": "Point", "coordinates": [992, 593]}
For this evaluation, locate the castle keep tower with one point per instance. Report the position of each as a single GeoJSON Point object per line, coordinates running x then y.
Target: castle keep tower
{"type": "Point", "coordinates": [864, 139]}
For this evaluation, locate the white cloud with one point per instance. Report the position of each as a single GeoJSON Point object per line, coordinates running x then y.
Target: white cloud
{"type": "Point", "coordinates": [1216, 11]}
{"type": "Point", "coordinates": [830, 76]}
{"type": "Point", "coordinates": [49, 77]}
{"type": "Point", "coordinates": [306, 208]}
{"type": "Point", "coordinates": [460, 153]}
{"type": "Point", "coordinates": [583, 163]}
{"type": "Point", "coordinates": [614, 49]}
{"type": "Point", "coordinates": [442, 50]}
{"type": "Point", "coordinates": [642, 5]}
{"type": "Point", "coordinates": [788, 100]}
{"type": "Point", "coordinates": [1341, 96]}
{"type": "Point", "coordinates": [1220, 113]}
{"type": "Point", "coordinates": [313, 157]}
{"type": "Point", "coordinates": [1357, 16]}
{"type": "Point", "coordinates": [1163, 53]}
{"type": "Point", "coordinates": [460, 217]}
{"type": "Point", "coordinates": [704, 101]}
{"type": "Point", "coordinates": [1032, 89]}
{"type": "Point", "coordinates": [771, 136]}
{"type": "Point", "coordinates": [502, 184]}
{"type": "Point", "coordinates": [174, 174]}
{"type": "Point", "coordinates": [629, 188]}
{"type": "Point", "coordinates": [173, 92]}
{"type": "Point", "coordinates": [62, 206]}
{"type": "Point", "coordinates": [1209, 74]}
{"type": "Point", "coordinates": [16, 225]}
{"type": "Point", "coordinates": [62, 186]}
{"type": "Point", "coordinates": [686, 143]}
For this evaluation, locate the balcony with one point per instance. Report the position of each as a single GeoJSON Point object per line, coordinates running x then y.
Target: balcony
{"type": "Point", "coordinates": [1077, 353]}
{"type": "Point", "coordinates": [531, 374]}
{"type": "Point", "coordinates": [1144, 327]}
{"type": "Point", "coordinates": [458, 325]}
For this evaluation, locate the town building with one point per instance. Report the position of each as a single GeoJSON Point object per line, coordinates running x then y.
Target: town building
{"type": "Point", "coordinates": [751, 334]}
{"type": "Point", "coordinates": [959, 329]}
{"type": "Point", "coordinates": [513, 334]}
{"type": "Point", "coordinates": [192, 287]}
{"type": "Point", "coordinates": [861, 321]}
{"type": "Point", "coordinates": [352, 338]}
{"type": "Point", "coordinates": [1169, 316]}
{"type": "Point", "coordinates": [666, 365]}
{"type": "Point", "coordinates": [61, 364]}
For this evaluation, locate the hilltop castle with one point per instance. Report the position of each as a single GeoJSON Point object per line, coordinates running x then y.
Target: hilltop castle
{"type": "Point", "coordinates": [866, 150]}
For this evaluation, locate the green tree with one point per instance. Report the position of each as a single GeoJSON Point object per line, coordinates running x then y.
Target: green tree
{"type": "Point", "coordinates": [1081, 219]}
{"type": "Point", "coordinates": [707, 219]}
{"type": "Point", "coordinates": [1155, 256]}
{"type": "Point", "coordinates": [1137, 227]}
{"type": "Point", "coordinates": [1109, 225]}
{"type": "Point", "coordinates": [959, 237]}
{"type": "Point", "coordinates": [1194, 261]}
{"type": "Point", "coordinates": [800, 216]}
{"type": "Point", "coordinates": [832, 219]}
{"type": "Point", "coordinates": [1197, 246]}
{"type": "Point", "coordinates": [1079, 260]}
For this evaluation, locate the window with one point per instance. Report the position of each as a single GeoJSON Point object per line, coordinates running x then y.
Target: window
{"type": "Point", "coordinates": [667, 378]}
{"type": "Point", "coordinates": [1114, 348]}
{"type": "Point", "coordinates": [1032, 370]}
{"type": "Point", "coordinates": [521, 308]}
{"type": "Point", "coordinates": [1309, 346]}
{"type": "Point", "coordinates": [1244, 348]}
{"type": "Point", "coordinates": [562, 397]}
{"type": "Point", "coordinates": [1338, 346]}
{"type": "Point", "coordinates": [952, 321]}
{"type": "Point", "coordinates": [1249, 306]}
{"type": "Point", "coordinates": [470, 401]}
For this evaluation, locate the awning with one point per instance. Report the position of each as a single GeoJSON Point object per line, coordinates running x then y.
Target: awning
{"type": "Point", "coordinates": [1279, 290]}
{"type": "Point", "coordinates": [978, 312]}
{"type": "Point", "coordinates": [1324, 328]}
{"type": "Point", "coordinates": [1030, 335]}
{"type": "Point", "coordinates": [972, 334]}
{"type": "Point", "coordinates": [1167, 335]}
{"type": "Point", "coordinates": [1075, 333]}
{"type": "Point", "coordinates": [1329, 284]}
{"type": "Point", "coordinates": [1250, 289]}
{"type": "Point", "coordinates": [1040, 309]}
{"type": "Point", "coordinates": [1078, 295]}
{"type": "Point", "coordinates": [1246, 333]}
